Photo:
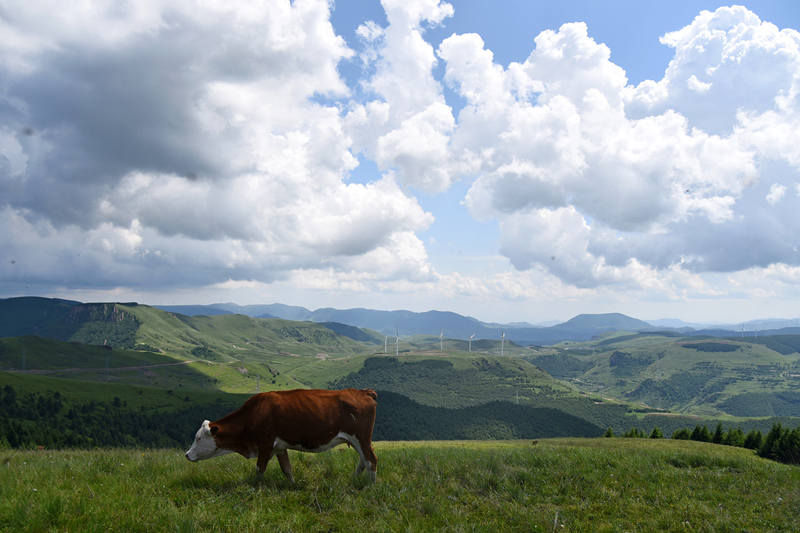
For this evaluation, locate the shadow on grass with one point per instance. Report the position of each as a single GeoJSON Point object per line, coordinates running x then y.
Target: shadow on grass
{"type": "Point", "coordinates": [704, 461]}
{"type": "Point", "coordinates": [271, 481]}
{"type": "Point", "coordinates": [309, 482]}
{"type": "Point", "coordinates": [224, 483]}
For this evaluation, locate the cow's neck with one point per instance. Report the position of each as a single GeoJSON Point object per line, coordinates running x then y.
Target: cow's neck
{"type": "Point", "coordinates": [235, 433]}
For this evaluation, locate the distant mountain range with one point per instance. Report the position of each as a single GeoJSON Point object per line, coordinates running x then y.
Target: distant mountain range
{"type": "Point", "coordinates": [764, 324]}
{"type": "Point", "coordinates": [406, 323]}
{"type": "Point", "coordinates": [19, 316]}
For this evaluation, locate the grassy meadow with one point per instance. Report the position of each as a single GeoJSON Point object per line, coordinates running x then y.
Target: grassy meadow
{"type": "Point", "coordinates": [555, 485]}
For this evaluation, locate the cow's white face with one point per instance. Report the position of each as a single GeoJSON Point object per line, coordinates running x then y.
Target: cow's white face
{"type": "Point", "coordinates": [204, 445]}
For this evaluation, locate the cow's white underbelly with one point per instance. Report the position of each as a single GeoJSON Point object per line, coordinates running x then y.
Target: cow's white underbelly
{"type": "Point", "coordinates": [341, 438]}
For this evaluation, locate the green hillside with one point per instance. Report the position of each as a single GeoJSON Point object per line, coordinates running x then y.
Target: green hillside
{"type": "Point", "coordinates": [238, 336]}
{"type": "Point", "coordinates": [239, 354]}
{"type": "Point", "coordinates": [555, 485]}
{"type": "Point", "coordinates": [621, 380]}
{"type": "Point", "coordinates": [31, 352]}
{"type": "Point", "coordinates": [139, 326]}
{"type": "Point", "coordinates": [692, 375]}
{"type": "Point", "coordinates": [468, 380]}
{"type": "Point", "coordinates": [233, 353]}
{"type": "Point", "coordinates": [75, 361]}
{"type": "Point", "coordinates": [94, 323]}
{"type": "Point", "coordinates": [459, 381]}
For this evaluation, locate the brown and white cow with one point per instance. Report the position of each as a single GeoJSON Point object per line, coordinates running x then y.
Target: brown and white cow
{"type": "Point", "coordinates": [306, 420]}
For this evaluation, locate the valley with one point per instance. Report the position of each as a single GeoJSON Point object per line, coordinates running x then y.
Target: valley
{"type": "Point", "coordinates": [185, 367]}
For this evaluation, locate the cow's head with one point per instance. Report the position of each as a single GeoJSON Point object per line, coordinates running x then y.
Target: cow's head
{"type": "Point", "coordinates": [205, 443]}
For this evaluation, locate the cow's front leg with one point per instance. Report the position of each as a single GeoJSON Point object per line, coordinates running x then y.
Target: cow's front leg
{"type": "Point", "coordinates": [264, 455]}
{"type": "Point", "coordinates": [286, 466]}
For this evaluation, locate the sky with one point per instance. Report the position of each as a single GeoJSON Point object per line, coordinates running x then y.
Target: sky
{"type": "Point", "coordinates": [510, 160]}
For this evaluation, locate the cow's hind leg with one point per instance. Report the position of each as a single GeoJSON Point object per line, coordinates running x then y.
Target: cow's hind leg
{"type": "Point", "coordinates": [286, 466]}
{"type": "Point", "coordinates": [366, 457]}
{"type": "Point", "coordinates": [371, 459]}
{"type": "Point", "coordinates": [362, 461]}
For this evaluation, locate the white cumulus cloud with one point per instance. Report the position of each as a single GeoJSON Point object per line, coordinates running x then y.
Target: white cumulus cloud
{"type": "Point", "coordinates": [173, 143]}
{"type": "Point", "coordinates": [600, 182]}
{"type": "Point", "coordinates": [776, 192]}
{"type": "Point", "coordinates": [405, 126]}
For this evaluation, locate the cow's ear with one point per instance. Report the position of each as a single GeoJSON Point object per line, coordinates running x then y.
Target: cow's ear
{"type": "Point", "coordinates": [214, 429]}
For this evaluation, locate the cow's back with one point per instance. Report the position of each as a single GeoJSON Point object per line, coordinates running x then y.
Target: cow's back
{"type": "Point", "coordinates": [312, 418]}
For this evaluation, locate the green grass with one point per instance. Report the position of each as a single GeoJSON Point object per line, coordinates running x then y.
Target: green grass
{"type": "Point", "coordinates": [561, 485]}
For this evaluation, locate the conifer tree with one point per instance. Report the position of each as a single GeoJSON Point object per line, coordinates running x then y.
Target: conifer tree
{"type": "Point", "coordinates": [753, 440]}
{"type": "Point", "coordinates": [681, 434]}
{"type": "Point", "coordinates": [734, 437]}
{"type": "Point", "coordinates": [718, 434]}
{"type": "Point", "coordinates": [634, 433]}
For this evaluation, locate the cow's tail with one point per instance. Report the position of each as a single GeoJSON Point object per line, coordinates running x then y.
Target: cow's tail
{"type": "Point", "coordinates": [371, 393]}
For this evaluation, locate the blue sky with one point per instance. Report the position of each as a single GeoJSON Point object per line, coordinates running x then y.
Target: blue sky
{"type": "Point", "coordinates": [513, 161]}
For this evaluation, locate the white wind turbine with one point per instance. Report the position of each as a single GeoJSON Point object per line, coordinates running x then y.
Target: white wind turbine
{"type": "Point", "coordinates": [470, 341]}
{"type": "Point", "coordinates": [385, 343]}
{"type": "Point", "coordinates": [396, 342]}
{"type": "Point", "coordinates": [502, 342]}
{"type": "Point", "coordinates": [441, 341]}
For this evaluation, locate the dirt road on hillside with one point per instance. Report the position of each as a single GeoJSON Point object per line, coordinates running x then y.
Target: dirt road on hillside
{"type": "Point", "coordinates": [101, 369]}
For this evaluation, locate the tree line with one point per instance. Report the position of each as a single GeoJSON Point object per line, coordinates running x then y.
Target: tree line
{"type": "Point", "coordinates": [780, 444]}
{"type": "Point", "coordinates": [50, 420]}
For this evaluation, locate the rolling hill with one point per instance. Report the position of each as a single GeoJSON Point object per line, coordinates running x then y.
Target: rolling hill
{"type": "Point", "coordinates": [233, 353]}
{"type": "Point", "coordinates": [603, 322]}
{"type": "Point", "coordinates": [734, 376]}
{"type": "Point", "coordinates": [622, 379]}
